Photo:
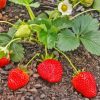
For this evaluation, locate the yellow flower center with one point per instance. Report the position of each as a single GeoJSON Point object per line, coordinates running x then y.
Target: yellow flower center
{"type": "Point", "coordinates": [64, 7]}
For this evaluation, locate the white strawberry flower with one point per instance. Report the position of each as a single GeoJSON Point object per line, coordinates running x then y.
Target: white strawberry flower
{"type": "Point", "coordinates": [65, 7]}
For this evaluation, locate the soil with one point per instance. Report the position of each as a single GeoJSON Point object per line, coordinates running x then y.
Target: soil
{"type": "Point", "coordinates": [38, 89]}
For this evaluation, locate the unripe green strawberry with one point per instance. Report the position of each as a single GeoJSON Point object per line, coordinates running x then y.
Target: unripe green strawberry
{"type": "Point", "coordinates": [87, 3]}
{"type": "Point", "coordinates": [85, 83]}
{"type": "Point", "coordinates": [23, 31]}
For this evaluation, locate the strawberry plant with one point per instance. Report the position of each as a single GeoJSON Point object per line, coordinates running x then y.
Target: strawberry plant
{"type": "Point", "coordinates": [54, 31]}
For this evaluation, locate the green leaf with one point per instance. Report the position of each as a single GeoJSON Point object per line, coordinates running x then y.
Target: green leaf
{"type": "Point", "coordinates": [12, 31]}
{"type": "Point", "coordinates": [42, 36]}
{"type": "Point", "coordinates": [52, 37]}
{"type": "Point", "coordinates": [67, 41]}
{"type": "Point", "coordinates": [26, 3]}
{"type": "Point", "coordinates": [17, 52]}
{"type": "Point", "coordinates": [21, 2]}
{"type": "Point", "coordinates": [42, 15]}
{"type": "Point", "coordinates": [85, 29]}
{"type": "Point", "coordinates": [48, 38]}
{"type": "Point", "coordinates": [35, 5]}
{"type": "Point", "coordinates": [54, 14]}
{"type": "Point", "coordinates": [96, 4]}
{"type": "Point", "coordinates": [45, 21]}
{"type": "Point", "coordinates": [4, 39]}
{"type": "Point", "coordinates": [84, 24]}
{"type": "Point", "coordinates": [91, 41]}
{"type": "Point", "coordinates": [62, 22]}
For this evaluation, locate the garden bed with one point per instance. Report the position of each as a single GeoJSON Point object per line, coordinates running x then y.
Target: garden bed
{"type": "Point", "coordinates": [38, 89]}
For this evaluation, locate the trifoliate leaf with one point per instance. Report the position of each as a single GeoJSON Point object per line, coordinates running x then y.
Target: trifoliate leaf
{"type": "Point", "coordinates": [91, 41]}
{"type": "Point", "coordinates": [86, 29]}
{"type": "Point", "coordinates": [17, 52]}
{"type": "Point", "coordinates": [4, 39]}
{"type": "Point", "coordinates": [67, 41]}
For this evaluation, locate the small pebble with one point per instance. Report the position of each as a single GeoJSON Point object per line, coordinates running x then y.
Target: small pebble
{"type": "Point", "coordinates": [37, 98]}
{"type": "Point", "coordinates": [38, 86]}
{"type": "Point", "coordinates": [4, 72]}
{"type": "Point", "coordinates": [33, 90]}
{"type": "Point", "coordinates": [86, 99]}
{"type": "Point", "coordinates": [79, 8]}
{"type": "Point", "coordinates": [35, 75]}
{"type": "Point", "coordinates": [42, 96]}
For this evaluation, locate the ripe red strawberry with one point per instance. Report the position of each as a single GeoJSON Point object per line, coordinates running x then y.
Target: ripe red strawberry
{"type": "Point", "coordinates": [2, 3]}
{"type": "Point", "coordinates": [4, 61]}
{"type": "Point", "coordinates": [50, 70]}
{"type": "Point", "coordinates": [85, 83]}
{"type": "Point", "coordinates": [17, 79]}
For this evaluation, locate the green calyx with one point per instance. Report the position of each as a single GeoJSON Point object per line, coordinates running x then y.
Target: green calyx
{"type": "Point", "coordinates": [4, 52]}
{"type": "Point", "coordinates": [48, 56]}
{"type": "Point", "coordinates": [23, 31]}
{"type": "Point", "coordinates": [23, 68]}
{"type": "Point", "coordinates": [87, 3]}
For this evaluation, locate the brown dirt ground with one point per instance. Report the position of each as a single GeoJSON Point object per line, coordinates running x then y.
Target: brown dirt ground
{"type": "Point", "coordinates": [38, 89]}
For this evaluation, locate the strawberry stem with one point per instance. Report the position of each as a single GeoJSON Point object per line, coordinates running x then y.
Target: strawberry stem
{"type": "Point", "coordinates": [83, 13]}
{"type": "Point", "coordinates": [11, 42]}
{"type": "Point", "coordinates": [32, 16]}
{"type": "Point", "coordinates": [46, 52]}
{"type": "Point", "coordinates": [8, 23]}
{"type": "Point", "coordinates": [76, 4]}
{"type": "Point", "coordinates": [32, 59]}
{"type": "Point", "coordinates": [68, 59]}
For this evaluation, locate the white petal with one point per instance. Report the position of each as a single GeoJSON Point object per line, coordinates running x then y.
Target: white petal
{"type": "Point", "coordinates": [59, 6]}
{"type": "Point", "coordinates": [66, 1]}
